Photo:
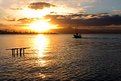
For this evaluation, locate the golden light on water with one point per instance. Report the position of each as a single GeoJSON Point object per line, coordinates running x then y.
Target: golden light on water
{"type": "Point", "coordinates": [41, 43]}
{"type": "Point", "coordinates": [42, 75]}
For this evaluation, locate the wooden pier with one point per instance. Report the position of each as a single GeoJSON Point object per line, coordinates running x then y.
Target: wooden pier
{"type": "Point", "coordinates": [18, 51]}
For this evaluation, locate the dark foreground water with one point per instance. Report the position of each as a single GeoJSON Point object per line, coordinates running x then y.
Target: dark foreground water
{"type": "Point", "coordinates": [61, 58]}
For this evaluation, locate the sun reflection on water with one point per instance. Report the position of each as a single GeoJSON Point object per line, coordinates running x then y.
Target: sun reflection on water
{"type": "Point", "coordinates": [42, 75]}
{"type": "Point", "coordinates": [40, 44]}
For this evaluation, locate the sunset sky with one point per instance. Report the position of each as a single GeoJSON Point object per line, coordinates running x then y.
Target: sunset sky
{"type": "Point", "coordinates": [58, 14]}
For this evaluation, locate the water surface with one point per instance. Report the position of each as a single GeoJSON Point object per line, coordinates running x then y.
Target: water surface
{"type": "Point", "coordinates": [61, 57]}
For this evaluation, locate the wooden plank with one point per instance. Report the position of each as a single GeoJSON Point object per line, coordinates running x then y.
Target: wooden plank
{"type": "Point", "coordinates": [18, 48]}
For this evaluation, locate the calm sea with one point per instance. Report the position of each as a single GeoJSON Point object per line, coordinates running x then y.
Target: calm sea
{"type": "Point", "coordinates": [94, 57]}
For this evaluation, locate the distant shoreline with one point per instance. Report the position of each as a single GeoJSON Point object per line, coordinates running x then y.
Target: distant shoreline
{"type": "Point", "coordinates": [24, 33]}
{"type": "Point", "coordinates": [3, 32]}
{"type": "Point", "coordinates": [15, 32]}
{"type": "Point", "coordinates": [61, 33]}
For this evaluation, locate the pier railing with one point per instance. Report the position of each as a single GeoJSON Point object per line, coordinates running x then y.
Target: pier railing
{"type": "Point", "coordinates": [18, 51]}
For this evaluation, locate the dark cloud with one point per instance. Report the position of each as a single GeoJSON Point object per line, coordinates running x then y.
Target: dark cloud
{"type": "Point", "coordinates": [11, 20]}
{"type": "Point", "coordinates": [40, 5]}
{"type": "Point", "coordinates": [86, 20]}
{"type": "Point", "coordinates": [103, 21]}
{"type": "Point", "coordinates": [116, 12]}
{"type": "Point", "coordinates": [26, 20]}
{"type": "Point", "coordinates": [1, 24]}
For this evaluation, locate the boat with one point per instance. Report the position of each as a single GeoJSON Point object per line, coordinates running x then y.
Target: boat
{"type": "Point", "coordinates": [77, 35]}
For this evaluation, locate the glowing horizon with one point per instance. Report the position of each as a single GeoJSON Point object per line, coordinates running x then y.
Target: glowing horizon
{"type": "Point", "coordinates": [41, 26]}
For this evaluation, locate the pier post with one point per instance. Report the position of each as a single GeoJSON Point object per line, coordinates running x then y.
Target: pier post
{"type": "Point", "coordinates": [13, 52]}
{"type": "Point", "coordinates": [17, 52]}
{"type": "Point", "coordinates": [20, 52]}
{"type": "Point", "coordinates": [23, 51]}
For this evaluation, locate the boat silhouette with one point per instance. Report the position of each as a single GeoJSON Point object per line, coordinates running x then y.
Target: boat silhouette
{"type": "Point", "coordinates": [77, 35]}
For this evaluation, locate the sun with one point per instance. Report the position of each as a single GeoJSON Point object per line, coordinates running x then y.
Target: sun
{"type": "Point", "coordinates": [41, 26]}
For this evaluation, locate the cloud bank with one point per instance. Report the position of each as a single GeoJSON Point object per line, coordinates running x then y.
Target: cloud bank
{"type": "Point", "coordinates": [103, 19]}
